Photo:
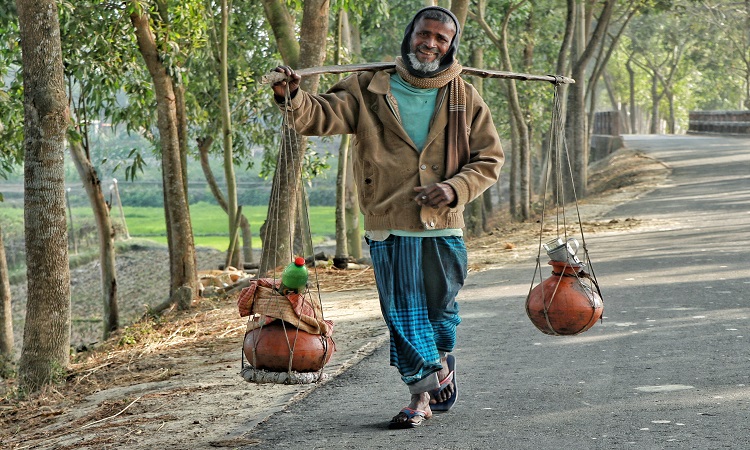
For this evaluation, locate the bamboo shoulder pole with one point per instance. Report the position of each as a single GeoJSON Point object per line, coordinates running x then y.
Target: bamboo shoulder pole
{"type": "Point", "coordinates": [275, 77]}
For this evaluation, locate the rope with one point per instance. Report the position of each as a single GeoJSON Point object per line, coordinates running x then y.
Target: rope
{"type": "Point", "coordinates": [558, 154]}
{"type": "Point", "coordinates": [287, 160]}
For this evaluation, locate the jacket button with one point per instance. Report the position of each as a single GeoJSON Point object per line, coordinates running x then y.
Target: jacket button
{"type": "Point", "coordinates": [435, 167]}
{"type": "Point", "coordinates": [423, 167]}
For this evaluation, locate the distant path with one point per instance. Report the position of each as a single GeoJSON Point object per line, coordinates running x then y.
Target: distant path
{"type": "Point", "coordinates": [669, 367]}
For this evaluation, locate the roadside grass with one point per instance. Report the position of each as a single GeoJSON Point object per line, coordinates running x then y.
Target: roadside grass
{"type": "Point", "coordinates": [210, 225]}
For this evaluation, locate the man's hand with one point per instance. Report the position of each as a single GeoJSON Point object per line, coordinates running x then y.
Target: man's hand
{"type": "Point", "coordinates": [435, 195]}
{"type": "Point", "coordinates": [292, 81]}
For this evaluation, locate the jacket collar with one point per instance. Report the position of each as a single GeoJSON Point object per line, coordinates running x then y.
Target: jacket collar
{"type": "Point", "coordinates": [381, 82]}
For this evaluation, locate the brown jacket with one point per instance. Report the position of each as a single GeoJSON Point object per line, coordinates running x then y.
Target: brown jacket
{"type": "Point", "coordinates": [387, 165]}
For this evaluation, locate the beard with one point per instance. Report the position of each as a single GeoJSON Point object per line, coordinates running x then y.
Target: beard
{"type": "Point", "coordinates": [424, 67]}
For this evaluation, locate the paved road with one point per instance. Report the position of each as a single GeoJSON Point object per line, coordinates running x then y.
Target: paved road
{"type": "Point", "coordinates": [669, 367]}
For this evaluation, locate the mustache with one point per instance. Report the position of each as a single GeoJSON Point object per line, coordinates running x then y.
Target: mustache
{"type": "Point", "coordinates": [426, 49]}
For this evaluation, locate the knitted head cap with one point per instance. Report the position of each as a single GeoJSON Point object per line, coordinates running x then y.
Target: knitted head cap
{"type": "Point", "coordinates": [450, 56]}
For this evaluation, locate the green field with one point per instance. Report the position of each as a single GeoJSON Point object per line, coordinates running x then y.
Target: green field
{"type": "Point", "coordinates": [209, 222]}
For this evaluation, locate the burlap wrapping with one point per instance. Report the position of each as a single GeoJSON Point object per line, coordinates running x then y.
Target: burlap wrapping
{"type": "Point", "coordinates": [264, 304]}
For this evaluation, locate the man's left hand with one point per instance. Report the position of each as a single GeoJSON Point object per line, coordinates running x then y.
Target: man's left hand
{"type": "Point", "coordinates": [435, 195]}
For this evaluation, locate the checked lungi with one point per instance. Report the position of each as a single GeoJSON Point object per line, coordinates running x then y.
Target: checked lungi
{"type": "Point", "coordinates": [418, 279]}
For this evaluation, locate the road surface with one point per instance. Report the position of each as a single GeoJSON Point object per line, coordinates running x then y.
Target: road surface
{"type": "Point", "coordinates": [668, 367]}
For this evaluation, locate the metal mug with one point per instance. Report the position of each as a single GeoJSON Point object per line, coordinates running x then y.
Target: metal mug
{"type": "Point", "coordinates": [562, 251]}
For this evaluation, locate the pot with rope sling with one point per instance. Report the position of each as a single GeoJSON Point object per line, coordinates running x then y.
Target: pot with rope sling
{"type": "Point", "coordinates": [280, 346]}
{"type": "Point", "coordinates": [569, 301]}
{"type": "Point", "coordinates": [284, 332]}
{"type": "Point", "coordinates": [287, 339]}
{"type": "Point", "coordinates": [566, 303]}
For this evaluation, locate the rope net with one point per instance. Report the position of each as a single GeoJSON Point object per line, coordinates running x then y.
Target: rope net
{"type": "Point", "coordinates": [568, 258]}
{"type": "Point", "coordinates": [295, 316]}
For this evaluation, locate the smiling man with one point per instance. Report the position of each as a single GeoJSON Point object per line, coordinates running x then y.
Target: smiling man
{"type": "Point", "coordinates": [424, 146]}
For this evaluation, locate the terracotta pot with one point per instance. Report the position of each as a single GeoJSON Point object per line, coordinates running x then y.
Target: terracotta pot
{"type": "Point", "coordinates": [565, 303]}
{"type": "Point", "coordinates": [271, 345]}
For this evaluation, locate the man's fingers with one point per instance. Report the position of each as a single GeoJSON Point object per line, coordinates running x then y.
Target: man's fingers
{"type": "Point", "coordinates": [435, 195]}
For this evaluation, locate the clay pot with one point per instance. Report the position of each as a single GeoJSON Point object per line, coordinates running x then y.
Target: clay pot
{"type": "Point", "coordinates": [271, 344]}
{"type": "Point", "coordinates": [565, 303]}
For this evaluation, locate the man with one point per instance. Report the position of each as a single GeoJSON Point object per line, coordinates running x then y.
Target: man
{"type": "Point", "coordinates": [424, 146]}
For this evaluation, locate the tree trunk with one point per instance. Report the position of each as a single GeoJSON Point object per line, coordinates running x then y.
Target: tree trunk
{"type": "Point", "coordinates": [247, 240]}
{"type": "Point", "coordinates": [631, 101]}
{"type": "Point", "coordinates": [247, 235]}
{"type": "Point", "coordinates": [460, 9]}
{"type": "Point", "coordinates": [282, 25]}
{"type": "Point", "coordinates": [180, 233]}
{"type": "Point", "coordinates": [342, 252]}
{"type": "Point", "coordinates": [582, 50]}
{"type": "Point", "coordinates": [655, 99]}
{"type": "Point", "coordinates": [353, 233]}
{"type": "Point", "coordinates": [6, 314]}
{"type": "Point", "coordinates": [672, 118]}
{"type": "Point", "coordinates": [523, 152]}
{"type": "Point", "coordinates": [514, 169]}
{"type": "Point", "coordinates": [226, 129]}
{"type": "Point", "coordinates": [279, 229]}
{"type": "Point", "coordinates": [46, 337]}
{"type": "Point", "coordinates": [473, 216]}
{"type": "Point", "coordinates": [106, 234]}
{"type": "Point", "coordinates": [351, 40]}
{"type": "Point", "coordinates": [182, 132]}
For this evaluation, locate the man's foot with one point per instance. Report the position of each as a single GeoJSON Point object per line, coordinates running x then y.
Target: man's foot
{"type": "Point", "coordinates": [413, 415]}
{"type": "Point", "coordinates": [447, 386]}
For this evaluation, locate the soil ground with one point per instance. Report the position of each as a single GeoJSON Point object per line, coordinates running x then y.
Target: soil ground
{"type": "Point", "coordinates": [172, 380]}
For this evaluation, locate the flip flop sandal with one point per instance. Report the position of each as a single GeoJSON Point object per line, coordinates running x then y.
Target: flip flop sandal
{"type": "Point", "coordinates": [398, 424]}
{"type": "Point", "coordinates": [450, 378]}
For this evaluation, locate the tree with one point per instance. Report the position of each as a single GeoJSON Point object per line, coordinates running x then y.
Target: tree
{"type": "Point", "coordinates": [226, 132]}
{"type": "Point", "coordinates": [247, 107]}
{"type": "Point", "coordinates": [280, 223]}
{"type": "Point", "coordinates": [93, 79]}
{"type": "Point", "coordinates": [11, 154]}
{"type": "Point", "coordinates": [171, 122]}
{"type": "Point", "coordinates": [343, 44]}
{"type": "Point", "coordinates": [658, 44]}
{"type": "Point", "coordinates": [46, 337]}
{"type": "Point", "coordinates": [6, 314]}
{"type": "Point", "coordinates": [731, 29]}
{"type": "Point", "coordinates": [583, 45]}
{"type": "Point", "coordinates": [521, 146]}
{"type": "Point", "coordinates": [603, 57]}
{"type": "Point", "coordinates": [106, 233]}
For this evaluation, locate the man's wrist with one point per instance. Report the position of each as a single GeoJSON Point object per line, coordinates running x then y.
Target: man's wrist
{"type": "Point", "coordinates": [281, 99]}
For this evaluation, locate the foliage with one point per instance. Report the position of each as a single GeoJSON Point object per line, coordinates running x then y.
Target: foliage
{"type": "Point", "coordinates": [138, 332]}
{"type": "Point", "coordinates": [11, 92]}
{"type": "Point", "coordinates": [108, 79]}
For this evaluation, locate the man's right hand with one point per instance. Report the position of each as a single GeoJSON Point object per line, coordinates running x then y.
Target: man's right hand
{"type": "Point", "coordinates": [291, 82]}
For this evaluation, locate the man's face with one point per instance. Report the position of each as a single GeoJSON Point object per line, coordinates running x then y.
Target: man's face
{"type": "Point", "coordinates": [431, 39]}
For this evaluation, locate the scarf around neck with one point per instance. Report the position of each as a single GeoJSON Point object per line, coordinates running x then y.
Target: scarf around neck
{"type": "Point", "coordinates": [457, 145]}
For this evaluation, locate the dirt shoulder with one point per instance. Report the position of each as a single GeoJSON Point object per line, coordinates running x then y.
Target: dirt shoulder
{"type": "Point", "coordinates": [160, 384]}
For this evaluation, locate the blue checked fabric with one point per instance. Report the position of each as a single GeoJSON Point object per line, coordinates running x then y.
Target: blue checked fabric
{"type": "Point", "coordinates": [418, 279]}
